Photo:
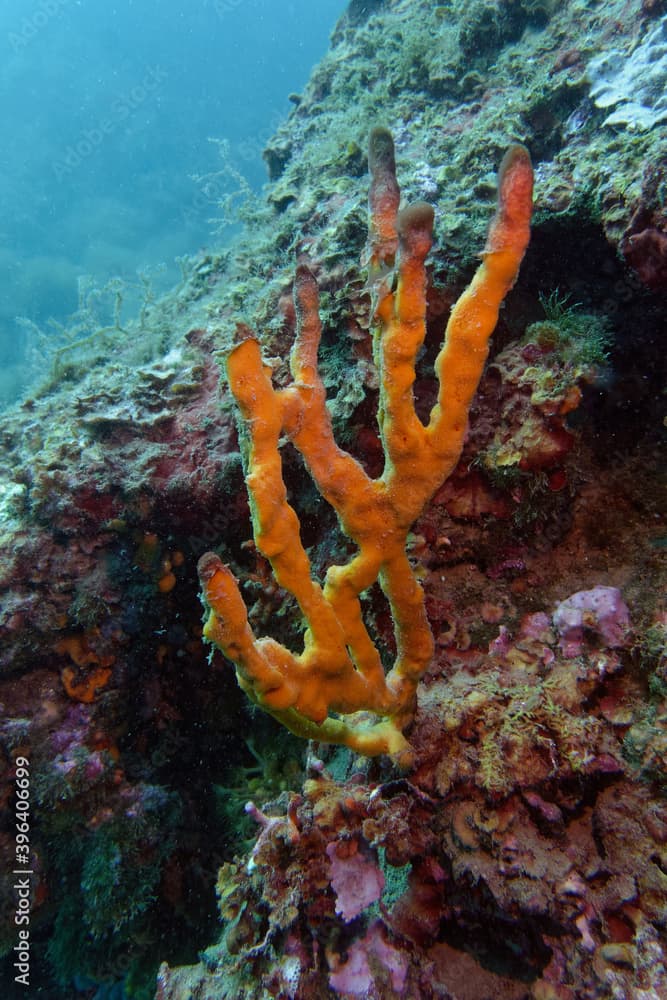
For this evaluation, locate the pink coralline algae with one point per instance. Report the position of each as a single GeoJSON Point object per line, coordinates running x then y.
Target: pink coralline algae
{"type": "Point", "coordinates": [355, 979]}
{"type": "Point", "coordinates": [600, 612]}
{"type": "Point", "coordinates": [355, 878]}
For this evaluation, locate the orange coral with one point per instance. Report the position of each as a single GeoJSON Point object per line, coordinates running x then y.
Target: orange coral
{"type": "Point", "coordinates": [79, 685]}
{"type": "Point", "coordinates": [318, 692]}
{"type": "Point", "coordinates": [86, 688]}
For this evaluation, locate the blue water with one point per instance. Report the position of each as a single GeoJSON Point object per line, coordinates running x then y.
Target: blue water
{"type": "Point", "coordinates": [107, 110]}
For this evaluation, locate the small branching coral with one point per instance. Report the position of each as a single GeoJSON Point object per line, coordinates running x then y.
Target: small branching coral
{"type": "Point", "coordinates": [68, 350]}
{"type": "Point", "coordinates": [326, 691]}
{"type": "Point", "coordinates": [275, 770]}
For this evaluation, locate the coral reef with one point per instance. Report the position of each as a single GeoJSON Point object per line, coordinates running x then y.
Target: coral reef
{"type": "Point", "coordinates": [501, 861]}
{"type": "Point", "coordinates": [523, 853]}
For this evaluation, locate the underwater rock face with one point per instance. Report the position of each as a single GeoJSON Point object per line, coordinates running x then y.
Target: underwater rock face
{"type": "Point", "coordinates": [634, 85]}
{"type": "Point", "coordinates": [510, 836]}
{"type": "Point", "coordinates": [524, 854]}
